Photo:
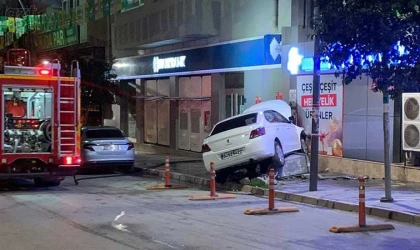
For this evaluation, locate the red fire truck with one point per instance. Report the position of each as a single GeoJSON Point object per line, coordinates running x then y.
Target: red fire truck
{"type": "Point", "coordinates": [40, 112]}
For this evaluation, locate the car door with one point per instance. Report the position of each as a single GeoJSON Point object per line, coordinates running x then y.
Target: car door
{"type": "Point", "coordinates": [288, 132]}
{"type": "Point", "coordinates": [278, 128]}
{"type": "Point", "coordinates": [270, 125]}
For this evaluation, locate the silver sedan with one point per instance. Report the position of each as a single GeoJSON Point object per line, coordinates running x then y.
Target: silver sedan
{"type": "Point", "coordinates": [107, 147]}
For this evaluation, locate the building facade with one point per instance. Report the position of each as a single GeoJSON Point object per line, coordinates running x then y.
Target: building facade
{"type": "Point", "coordinates": [192, 63]}
{"type": "Point", "coordinates": [351, 116]}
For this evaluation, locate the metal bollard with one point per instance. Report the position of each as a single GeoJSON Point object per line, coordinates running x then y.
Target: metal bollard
{"type": "Point", "coordinates": [167, 184]}
{"type": "Point", "coordinates": [271, 189]}
{"type": "Point", "coordinates": [212, 180]}
{"type": "Point", "coordinates": [167, 173]}
{"type": "Point", "coordinates": [362, 217]}
{"type": "Point", "coordinates": [362, 204]}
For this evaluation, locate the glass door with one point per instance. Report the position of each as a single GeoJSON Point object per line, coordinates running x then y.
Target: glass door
{"type": "Point", "coordinates": [234, 102]}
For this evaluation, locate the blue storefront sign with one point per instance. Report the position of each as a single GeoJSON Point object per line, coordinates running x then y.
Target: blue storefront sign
{"type": "Point", "coordinates": [257, 52]}
{"type": "Point", "coordinates": [272, 48]}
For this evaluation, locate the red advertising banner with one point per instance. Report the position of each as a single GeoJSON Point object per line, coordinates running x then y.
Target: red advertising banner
{"type": "Point", "coordinates": [330, 112]}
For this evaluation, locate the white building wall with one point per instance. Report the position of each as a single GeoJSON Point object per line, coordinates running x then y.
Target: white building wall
{"type": "Point", "coordinates": [160, 26]}
{"type": "Point", "coordinates": [264, 83]}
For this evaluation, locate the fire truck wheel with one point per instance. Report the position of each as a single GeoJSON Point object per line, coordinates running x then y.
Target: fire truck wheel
{"type": "Point", "coordinates": [43, 183]}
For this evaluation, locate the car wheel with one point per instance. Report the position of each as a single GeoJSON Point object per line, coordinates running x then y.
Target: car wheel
{"type": "Point", "coordinates": [303, 145]}
{"type": "Point", "coordinates": [264, 166]}
{"type": "Point", "coordinates": [278, 160]}
{"type": "Point", "coordinates": [251, 172]}
{"type": "Point", "coordinates": [221, 177]}
{"type": "Point", "coordinates": [128, 169]}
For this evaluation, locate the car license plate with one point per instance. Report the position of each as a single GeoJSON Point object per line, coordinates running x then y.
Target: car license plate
{"type": "Point", "coordinates": [232, 153]}
{"type": "Point", "coordinates": [111, 147]}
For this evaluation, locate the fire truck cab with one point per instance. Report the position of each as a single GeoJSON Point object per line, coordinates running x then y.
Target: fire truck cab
{"type": "Point", "coordinates": [40, 119]}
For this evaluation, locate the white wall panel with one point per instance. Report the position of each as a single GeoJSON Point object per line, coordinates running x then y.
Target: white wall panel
{"type": "Point", "coordinates": [163, 118]}
{"type": "Point", "coordinates": [195, 114]}
{"type": "Point", "coordinates": [184, 115]}
{"type": "Point", "coordinates": [150, 113]}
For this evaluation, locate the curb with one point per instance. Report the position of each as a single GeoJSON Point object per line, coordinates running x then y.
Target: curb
{"type": "Point", "coordinates": [191, 179]}
{"type": "Point", "coordinates": [339, 205]}
{"type": "Point", "coordinates": [344, 206]}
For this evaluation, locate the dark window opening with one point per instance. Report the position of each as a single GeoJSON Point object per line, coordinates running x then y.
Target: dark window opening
{"type": "Point", "coordinates": [237, 122]}
{"type": "Point", "coordinates": [104, 133]}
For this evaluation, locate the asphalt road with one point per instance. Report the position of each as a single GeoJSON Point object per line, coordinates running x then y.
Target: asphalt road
{"type": "Point", "coordinates": [119, 213]}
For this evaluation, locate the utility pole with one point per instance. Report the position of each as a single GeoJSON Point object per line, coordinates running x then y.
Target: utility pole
{"type": "Point", "coordinates": [387, 162]}
{"type": "Point", "coordinates": [313, 178]}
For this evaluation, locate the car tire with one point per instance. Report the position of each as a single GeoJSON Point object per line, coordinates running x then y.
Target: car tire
{"type": "Point", "coordinates": [222, 177]}
{"type": "Point", "coordinates": [251, 172]}
{"type": "Point", "coordinates": [128, 169]}
{"type": "Point", "coordinates": [43, 183]}
{"type": "Point", "coordinates": [265, 166]}
{"type": "Point", "coordinates": [278, 160]}
{"type": "Point", "coordinates": [303, 145]}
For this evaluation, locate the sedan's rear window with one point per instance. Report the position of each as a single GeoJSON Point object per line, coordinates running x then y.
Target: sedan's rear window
{"type": "Point", "coordinates": [104, 133]}
{"type": "Point", "coordinates": [238, 122]}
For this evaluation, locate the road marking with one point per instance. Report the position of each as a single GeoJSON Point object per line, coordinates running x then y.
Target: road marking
{"type": "Point", "coordinates": [120, 226]}
{"type": "Point", "coordinates": [166, 244]}
{"type": "Point", "coordinates": [119, 216]}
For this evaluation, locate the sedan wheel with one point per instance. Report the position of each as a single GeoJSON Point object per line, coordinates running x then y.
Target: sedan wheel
{"type": "Point", "coordinates": [278, 159]}
{"type": "Point", "coordinates": [222, 176]}
{"type": "Point", "coordinates": [303, 145]}
{"type": "Point", "coordinates": [128, 169]}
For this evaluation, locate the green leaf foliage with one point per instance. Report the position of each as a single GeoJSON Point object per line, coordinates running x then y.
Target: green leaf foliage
{"type": "Point", "coordinates": [350, 30]}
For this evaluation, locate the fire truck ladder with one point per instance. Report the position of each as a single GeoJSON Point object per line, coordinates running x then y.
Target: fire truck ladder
{"type": "Point", "coordinates": [67, 109]}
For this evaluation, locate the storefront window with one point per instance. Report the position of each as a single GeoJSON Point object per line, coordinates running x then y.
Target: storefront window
{"type": "Point", "coordinates": [157, 113]}
{"type": "Point", "coordinates": [195, 120]}
{"type": "Point", "coordinates": [132, 119]}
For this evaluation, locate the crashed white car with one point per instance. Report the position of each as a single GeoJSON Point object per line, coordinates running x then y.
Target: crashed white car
{"type": "Point", "coordinates": [261, 135]}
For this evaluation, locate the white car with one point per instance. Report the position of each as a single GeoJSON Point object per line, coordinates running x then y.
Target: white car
{"type": "Point", "coordinates": [260, 135]}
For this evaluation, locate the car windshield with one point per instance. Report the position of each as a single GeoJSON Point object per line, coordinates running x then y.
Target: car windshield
{"type": "Point", "coordinates": [104, 133]}
{"type": "Point", "coordinates": [237, 122]}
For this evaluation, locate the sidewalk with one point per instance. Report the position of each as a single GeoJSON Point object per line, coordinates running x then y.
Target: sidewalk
{"type": "Point", "coordinates": [406, 195]}
{"type": "Point", "coordinates": [178, 164]}
{"type": "Point", "coordinates": [341, 194]}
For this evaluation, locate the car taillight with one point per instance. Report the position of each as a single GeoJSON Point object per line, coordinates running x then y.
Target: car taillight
{"type": "Point", "coordinates": [257, 132]}
{"type": "Point", "coordinates": [88, 147]}
{"type": "Point", "coordinates": [205, 148]}
{"type": "Point", "coordinates": [71, 160]}
{"type": "Point", "coordinates": [130, 146]}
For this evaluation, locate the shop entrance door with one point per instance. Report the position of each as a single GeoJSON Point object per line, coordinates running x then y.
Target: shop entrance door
{"type": "Point", "coordinates": [234, 102]}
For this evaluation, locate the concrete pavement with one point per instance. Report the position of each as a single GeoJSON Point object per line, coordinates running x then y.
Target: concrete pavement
{"type": "Point", "coordinates": [343, 194]}
{"type": "Point", "coordinates": [339, 194]}
{"type": "Point", "coordinates": [119, 213]}
{"type": "Point", "coordinates": [180, 164]}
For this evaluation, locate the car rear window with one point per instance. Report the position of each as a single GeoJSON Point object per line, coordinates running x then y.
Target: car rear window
{"type": "Point", "coordinates": [104, 133]}
{"type": "Point", "coordinates": [237, 122]}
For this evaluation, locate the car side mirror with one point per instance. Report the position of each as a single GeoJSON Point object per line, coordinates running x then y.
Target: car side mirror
{"type": "Point", "coordinates": [292, 119]}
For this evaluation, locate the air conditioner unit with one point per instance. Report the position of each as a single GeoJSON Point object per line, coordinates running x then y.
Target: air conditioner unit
{"type": "Point", "coordinates": [411, 122]}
